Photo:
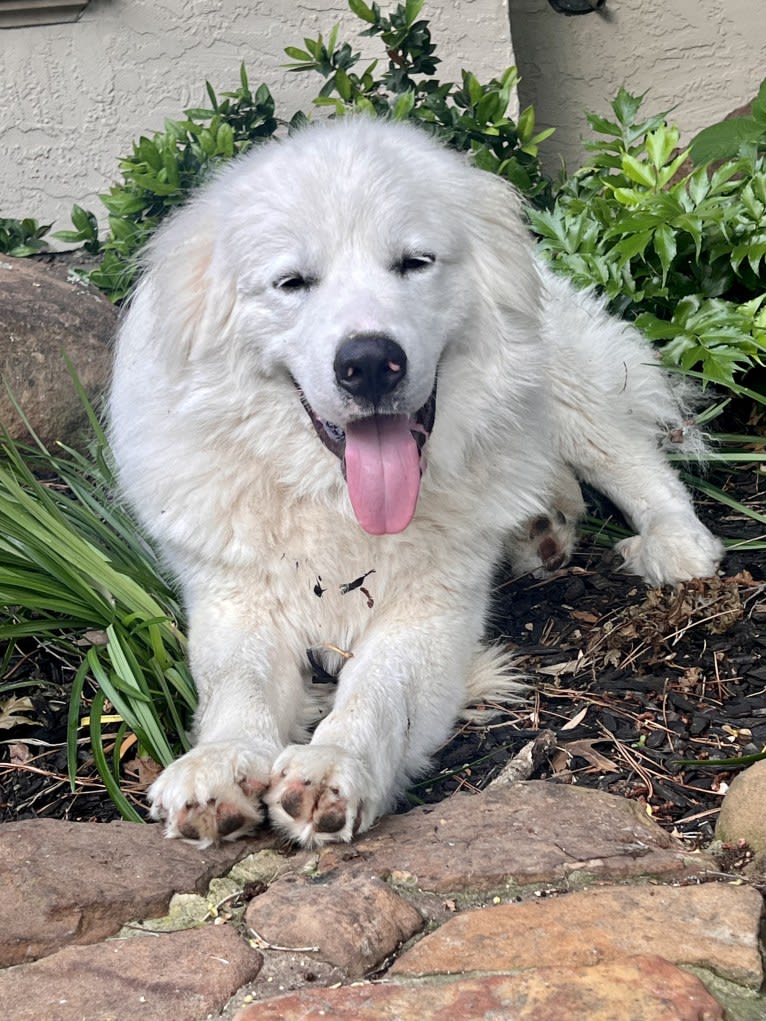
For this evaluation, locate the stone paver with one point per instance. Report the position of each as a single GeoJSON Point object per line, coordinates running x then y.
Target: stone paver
{"type": "Point", "coordinates": [66, 882]}
{"type": "Point", "coordinates": [355, 923]}
{"type": "Point", "coordinates": [714, 926]}
{"type": "Point", "coordinates": [181, 975]}
{"type": "Point", "coordinates": [541, 902]}
{"type": "Point", "coordinates": [637, 989]}
{"type": "Point", "coordinates": [517, 835]}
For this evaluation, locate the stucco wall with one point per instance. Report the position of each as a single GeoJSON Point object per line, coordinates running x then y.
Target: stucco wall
{"type": "Point", "coordinates": [74, 96]}
{"type": "Point", "coordinates": [703, 57]}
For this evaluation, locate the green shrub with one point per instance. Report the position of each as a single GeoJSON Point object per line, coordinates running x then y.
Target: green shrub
{"type": "Point", "coordinates": [468, 117]}
{"type": "Point", "coordinates": [20, 238]}
{"type": "Point", "coordinates": [682, 254]}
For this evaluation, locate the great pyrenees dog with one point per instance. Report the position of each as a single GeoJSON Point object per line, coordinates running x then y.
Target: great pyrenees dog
{"type": "Point", "coordinates": [344, 389]}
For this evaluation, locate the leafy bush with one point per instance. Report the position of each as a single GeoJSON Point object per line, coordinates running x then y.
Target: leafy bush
{"type": "Point", "coordinates": [682, 254]}
{"type": "Point", "coordinates": [468, 117]}
{"type": "Point", "coordinates": [22, 237]}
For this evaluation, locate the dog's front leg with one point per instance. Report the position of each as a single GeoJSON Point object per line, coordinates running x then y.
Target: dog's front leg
{"type": "Point", "coordinates": [397, 700]}
{"type": "Point", "coordinates": [249, 699]}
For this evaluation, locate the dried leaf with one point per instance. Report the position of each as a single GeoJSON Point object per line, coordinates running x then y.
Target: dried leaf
{"type": "Point", "coordinates": [585, 616]}
{"type": "Point", "coordinates": [145, 769]}
{"type": "Point", "coordinates": [576, 719]}
{"type": "Point", "coordinates": [19, 753]}
{"type": "Point", "coordinates": [11, 712]}
{"type": "Point", "coordinates": [584, 750]}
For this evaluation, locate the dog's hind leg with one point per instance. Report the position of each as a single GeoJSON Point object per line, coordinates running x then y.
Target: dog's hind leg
{"type": "Point", "coordinates": [614, 404]}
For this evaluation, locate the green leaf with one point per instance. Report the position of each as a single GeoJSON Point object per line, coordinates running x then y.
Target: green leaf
{"type": "Point", "coordinates": [626, 106]}
{"type": "Point", "coordinates": [660, 144]}
{"type": "Point", "coordinates": [412, 9]}
{"type": "Point", "coordinates": [666, 248]}
{"type": "Point", "coordinates": [361, 10]}
{"type": "Point", "coordinates": [403, 106]}
{"type": "Point", "coordinates": [725, 140]}
{"type": "Point", "coordinates": [632, 245]}
{"type": "Point", "coordinates": [636, 170]}
{"type": "Point", "coordinates": [302, 55]}
{"type": "Point", "coordinates": [603, 126]}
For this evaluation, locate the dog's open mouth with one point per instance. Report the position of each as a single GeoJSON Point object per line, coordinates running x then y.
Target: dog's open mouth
{"type": "Point", "coordinates": [381, 459]}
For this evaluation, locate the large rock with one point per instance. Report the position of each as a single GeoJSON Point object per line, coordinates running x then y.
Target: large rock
{"type": "Point", "coordinates": [520, 835]}
{"type": "Point", "coordinates": [353, 923]}
{"type": "Point", "coordinates": [743, 811]}
{"type": "Point", "coordinates": [43, 317]}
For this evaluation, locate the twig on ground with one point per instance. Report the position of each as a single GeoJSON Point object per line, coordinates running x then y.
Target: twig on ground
{"type": "Point", "coordinates": [525, 762]}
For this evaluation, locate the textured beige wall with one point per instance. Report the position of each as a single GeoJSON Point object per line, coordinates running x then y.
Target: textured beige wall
{"type": "Point", "coordinates": [74, 96]}
{"type": "Point", "coordinates": [703, 57]}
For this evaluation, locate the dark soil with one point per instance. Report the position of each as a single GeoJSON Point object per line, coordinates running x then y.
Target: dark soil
{"type": "Point", "coordinates": [643, 689]}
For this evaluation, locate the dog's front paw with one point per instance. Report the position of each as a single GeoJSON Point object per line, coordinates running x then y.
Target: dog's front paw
{"type": "Point", "coordinates": [673, 549]}
{"type": "Point", "coordinates": [320, 793]}
{"type": "Point", "coordinates": [213, 792]}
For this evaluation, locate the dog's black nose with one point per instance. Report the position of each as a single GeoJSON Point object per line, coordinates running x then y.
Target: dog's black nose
{"type": "Point", "coordinates": [370, 365]}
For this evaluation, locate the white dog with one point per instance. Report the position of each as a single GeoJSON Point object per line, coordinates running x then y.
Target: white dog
{"type": "Point", "coordinates": [344, 383]}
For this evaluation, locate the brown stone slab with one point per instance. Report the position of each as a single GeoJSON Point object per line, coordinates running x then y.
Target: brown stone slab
{"type": "Point", "coordinates": [521, 834]}
{"type": "Point", "coordinates": [639, 989]}
{"type": "Point", "coordinates": [354, 923]}
{"type": "Point", "coordinates": [181, 975]}
{"type": "Point", "coordinates": [713, 926]}
{"type": "Point", "coordinates": [63, 882]}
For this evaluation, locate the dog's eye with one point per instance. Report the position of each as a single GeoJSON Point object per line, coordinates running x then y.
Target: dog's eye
{"type": "Point", "coordinates": [294, 282]}
{"type": "Point", "coordinates": [414, 262]}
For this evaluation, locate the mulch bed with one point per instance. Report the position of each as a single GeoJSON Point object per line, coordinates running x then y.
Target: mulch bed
{"type": "Point", "coordinates": [639, 686]}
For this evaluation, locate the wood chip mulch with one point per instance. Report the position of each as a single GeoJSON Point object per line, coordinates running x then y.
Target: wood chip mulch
{"type": "Point", "coordinates": [641, 687]}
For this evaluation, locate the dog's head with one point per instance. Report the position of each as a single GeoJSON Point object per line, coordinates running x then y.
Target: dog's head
{"type": "Point", "coordinates": [356, 260]}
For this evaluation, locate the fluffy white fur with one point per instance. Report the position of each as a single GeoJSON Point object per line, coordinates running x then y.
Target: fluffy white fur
{"type": "Point", "coordinates": [536, 384]}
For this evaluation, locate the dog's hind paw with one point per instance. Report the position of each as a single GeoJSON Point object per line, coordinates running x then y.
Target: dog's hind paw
{"type": "Point", "coordinates": [673, 549]}
{"type": "Point", "coordinates": [212, 793]}
{"type": "Point", "coordinates": [543, 545]}
{"type": "Point", "coordinates": [317, 795]}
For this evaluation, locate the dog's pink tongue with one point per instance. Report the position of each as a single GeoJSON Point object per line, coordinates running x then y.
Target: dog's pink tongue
{"type": "Point", "coordinates": [382, 472]}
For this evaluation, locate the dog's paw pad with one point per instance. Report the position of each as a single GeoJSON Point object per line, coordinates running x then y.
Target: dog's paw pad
{"type": "Point", "coordinates": [543, 545]}
{"type": "Point", "coordinates": [551, 541]}
{"type": "Point", "coordinates": [316, 795]}
{"type": "Point", "coordinates": [212, 793]}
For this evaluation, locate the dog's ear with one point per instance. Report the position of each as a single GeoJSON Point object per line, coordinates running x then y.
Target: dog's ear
{"type": "Point", "coordinates": [505, 251]}
{"type": "Point", "coordinates": [191, 301]}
